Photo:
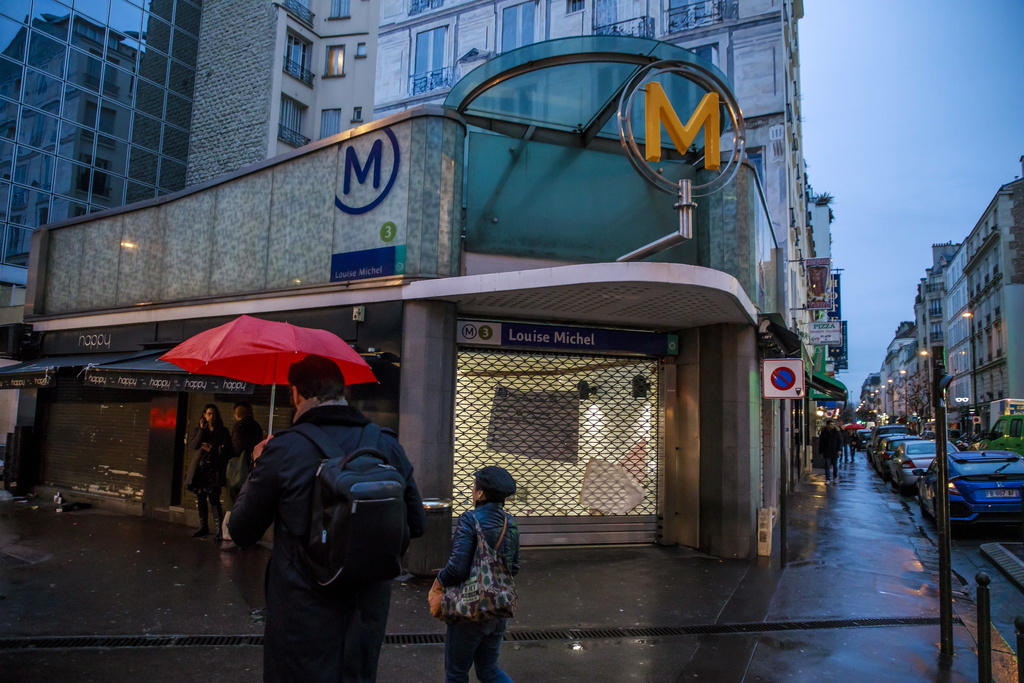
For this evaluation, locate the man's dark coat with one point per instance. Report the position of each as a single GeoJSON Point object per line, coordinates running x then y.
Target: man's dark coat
{"type": "Point", "coordinates": [312, 635]}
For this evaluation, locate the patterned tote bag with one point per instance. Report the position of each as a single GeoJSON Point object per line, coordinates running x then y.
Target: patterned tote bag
{"type": "Point", "coordinates": [488, 592]}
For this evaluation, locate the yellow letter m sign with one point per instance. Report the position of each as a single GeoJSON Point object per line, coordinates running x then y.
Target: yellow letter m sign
{"type": "Point", "coordinates": [660, 111]}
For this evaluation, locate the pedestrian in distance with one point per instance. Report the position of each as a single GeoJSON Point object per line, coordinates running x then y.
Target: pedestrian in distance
{"type": "Point", "coordinates": [830, 445]}
{"type": "Point", "coordinates": [246, 433]}
{"type": "Point", "coordinates": [211, 442]}
{"type": "Point", "coordinates": [847, 435]}
{"type": "Point", "coordinates": [312, 633]}
{"type": "Point", "coordinates": [469, 644]}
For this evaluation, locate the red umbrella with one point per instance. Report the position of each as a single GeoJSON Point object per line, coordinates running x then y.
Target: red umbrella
{"type": "Point", "coordinates": [261, 351]}
{"type": "Point", "coordinates": [854, 426]}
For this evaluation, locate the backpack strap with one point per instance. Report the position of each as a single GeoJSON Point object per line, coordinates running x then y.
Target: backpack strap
{"type": "Point", "coordinates": [369, 439]}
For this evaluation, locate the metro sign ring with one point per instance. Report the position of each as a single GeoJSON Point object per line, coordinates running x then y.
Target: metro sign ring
{"type": "Point", "coordinates": [658, 112]}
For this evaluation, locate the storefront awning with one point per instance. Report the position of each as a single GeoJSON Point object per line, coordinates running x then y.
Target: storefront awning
{"type": "Point", "coordinates": [41, 372]}
{"type": "Point", "coordinates": [825, 388]}
{"type": "Point", "coordinates": [147, 372]}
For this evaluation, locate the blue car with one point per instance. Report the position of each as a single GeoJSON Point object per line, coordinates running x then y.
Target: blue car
{"type": "Point", "coordinates": [984, 486]}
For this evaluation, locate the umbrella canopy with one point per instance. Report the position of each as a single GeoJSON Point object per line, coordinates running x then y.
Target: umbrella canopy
{"type": "Point", "coordinates": [854, 426]}
{"type": "Point", "coordinates": [261, 351]}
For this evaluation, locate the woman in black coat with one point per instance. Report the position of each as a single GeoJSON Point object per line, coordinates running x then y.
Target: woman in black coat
{"type": "Point", "coordinates": [212, 443]}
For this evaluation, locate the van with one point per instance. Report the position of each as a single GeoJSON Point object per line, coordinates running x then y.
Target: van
{"type": "Point", "coordinates": [1007, 435]}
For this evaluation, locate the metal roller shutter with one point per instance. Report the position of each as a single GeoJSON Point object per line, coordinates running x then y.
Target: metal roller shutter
{"type": "Point", "coordinates": [95, 440]}
{"type": "Point", "coordinates": [581, 435]}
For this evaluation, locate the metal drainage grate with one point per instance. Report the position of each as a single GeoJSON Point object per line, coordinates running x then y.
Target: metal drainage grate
{"type": "Point", "coordinates": [8, 561]}
{"type": "Point", "coordinates": [107, 642]}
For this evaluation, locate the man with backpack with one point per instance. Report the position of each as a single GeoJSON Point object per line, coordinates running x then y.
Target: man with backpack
{"type": "Point", "coordinates": [318, 632]}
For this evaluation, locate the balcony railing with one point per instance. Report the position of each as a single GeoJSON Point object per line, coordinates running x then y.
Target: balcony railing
{"type": "Point", "coordinates": [300, 11]}
{"type": "Point", "coordinates": [420, 6]}
{"type": "Point", "coordinates": [431, 80]}
{"type": "Point", "coordinates": [935, 337]}
{"type": "Point", "coordinates": [300, 72]}
{"type": "Point", "coordinates": [293, 138]}
{"type": "Point", "coordinates": [694, 16]}
{"type": "Point", "coordinates": [640, 27]}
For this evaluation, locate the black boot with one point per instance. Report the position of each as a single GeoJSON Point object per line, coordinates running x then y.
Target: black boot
{"type": "Point", "coordinates": [201, 531]}
{"type": "Point", "coordinates": [218, 517]}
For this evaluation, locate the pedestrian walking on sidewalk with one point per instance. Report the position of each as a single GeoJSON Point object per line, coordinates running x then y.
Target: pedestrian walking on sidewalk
{"type": "Point", "coordinates": [830, 445]}
{"type": "Point", "coordinates": [314, 633]}
{"type": "Point", "coordinates": [212, 443]}
{"type": "Point", "coordinates": [478, 643]}
{"type": "Point", "coordinates": [847, 444]}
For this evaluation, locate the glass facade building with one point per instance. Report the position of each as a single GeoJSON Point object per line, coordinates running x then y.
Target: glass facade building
{"type": "Point", "coordinates": [95, 107]}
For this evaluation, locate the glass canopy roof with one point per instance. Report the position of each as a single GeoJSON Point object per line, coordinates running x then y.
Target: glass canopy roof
{"type": "Point", "coordinates": [566, 91]}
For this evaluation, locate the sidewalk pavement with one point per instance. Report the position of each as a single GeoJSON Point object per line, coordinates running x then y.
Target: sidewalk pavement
{"type": "Point", "coordinates": [858, 601]}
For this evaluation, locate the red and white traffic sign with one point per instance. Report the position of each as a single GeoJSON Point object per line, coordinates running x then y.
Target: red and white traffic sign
{"type": "Point", "coordinates": [783, 378]}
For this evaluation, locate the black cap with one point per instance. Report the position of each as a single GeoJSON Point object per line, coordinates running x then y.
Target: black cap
{"type": "Point", "coordinates": [496, 481]}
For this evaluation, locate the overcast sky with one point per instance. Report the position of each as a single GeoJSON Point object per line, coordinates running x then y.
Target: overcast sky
{"type": "Point", "coordinates": [913, 116]}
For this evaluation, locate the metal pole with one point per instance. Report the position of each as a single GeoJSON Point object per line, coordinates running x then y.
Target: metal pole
{"type": "Point", "coordinates": [984, 630]}
{"type": "Point", "coordinates": [942, 506]}
{"type": "Point", "coordinates": [1019, 626]}
{"type": "Point", "coordinates": [787, 419]}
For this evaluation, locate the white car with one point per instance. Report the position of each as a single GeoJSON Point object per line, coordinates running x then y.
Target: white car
{"type": "Point", "coordinates": [912, 455]}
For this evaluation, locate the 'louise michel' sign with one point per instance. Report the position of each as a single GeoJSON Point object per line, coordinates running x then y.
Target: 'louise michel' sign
{"type": "Point", "coordinates": [530, 335]}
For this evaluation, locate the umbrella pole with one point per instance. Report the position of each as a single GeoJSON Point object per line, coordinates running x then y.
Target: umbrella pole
{"type": "Point", "coordinates": [270, 422]}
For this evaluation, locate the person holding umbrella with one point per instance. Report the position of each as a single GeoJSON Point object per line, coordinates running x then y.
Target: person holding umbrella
{"type": "Point", "coordinates": [212, 443]}
{"type": "Point", "coordinates": [315, 634]}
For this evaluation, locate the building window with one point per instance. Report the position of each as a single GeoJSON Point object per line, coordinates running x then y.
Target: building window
{"type": "Point", "coordinates": [290, 127]}
{"type": "Point", "coordinates": [330, 122]}
{"type": "Point", "coordinates": [340, 9]}
{"type": "Point", "coordinates": [429, 72]}
{"type": "Point", "coordinates": [708, 53]}
{"type": "Point", "coordinates": [357, 114]}
{"type": "Point", "coordinates": [574, 6]}
{"type": "Point", "coordinates": [360, 50]}
{"type": "Point", "coordinates": [517, 26]}
{"type": "Point", "coordinates": [297, 59]}
{"type": "Point", "coordinates": [335, 61]}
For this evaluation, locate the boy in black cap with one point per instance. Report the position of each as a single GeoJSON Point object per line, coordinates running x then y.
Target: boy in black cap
{"type": "Point", "coordinates": [478, 642]}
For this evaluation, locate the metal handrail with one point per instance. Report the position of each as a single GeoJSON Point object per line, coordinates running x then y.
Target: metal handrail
{"type": "Point", "coordinates": [639, 27]}
{"type": "Point", "coordinates": [293, 68]}
{"type": "Point", "coordinates": [694, 15]}
{"type": "Point", "coordinates": [420, 6]}
{"type": "Point", "coordinates": [292, 137]}
{"type": "Point", "coordinates": [430, 80]}
{"type": "Point", "coordinates": [300, 11]}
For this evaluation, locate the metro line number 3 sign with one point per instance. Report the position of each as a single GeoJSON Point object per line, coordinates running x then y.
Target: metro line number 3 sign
{"type": "Point", "coordinates": [782, 378]}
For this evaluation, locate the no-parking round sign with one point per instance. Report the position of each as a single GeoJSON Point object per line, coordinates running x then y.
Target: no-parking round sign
{"type": "Point", "coordinates": [782, 378]}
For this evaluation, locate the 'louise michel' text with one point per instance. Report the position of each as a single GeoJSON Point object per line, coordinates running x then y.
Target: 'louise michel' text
{"type": "Point", "coordinates": [558, 337]}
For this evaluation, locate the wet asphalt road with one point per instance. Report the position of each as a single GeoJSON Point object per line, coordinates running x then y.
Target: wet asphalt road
{"type": "Point", "coordinates": [861, 560]}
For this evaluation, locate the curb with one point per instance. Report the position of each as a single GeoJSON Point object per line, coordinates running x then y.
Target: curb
{"type": "Point", "coordinates": [1007, 561]}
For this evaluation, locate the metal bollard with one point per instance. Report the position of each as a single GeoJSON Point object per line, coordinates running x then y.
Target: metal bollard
{"type": "Point", "coordinates": [984, 629]}
{"type": "Point", "coordinates": [1019, 624]}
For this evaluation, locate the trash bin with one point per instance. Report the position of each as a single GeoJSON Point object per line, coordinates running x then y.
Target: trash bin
{"type": "Point", "coordinates": [430, 552]}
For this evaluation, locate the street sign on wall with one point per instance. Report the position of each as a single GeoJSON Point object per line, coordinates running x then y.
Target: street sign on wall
{"type": "Point", "coordinates": [829, 333]}
{"type": "Point", "coordinates": [782, 378]}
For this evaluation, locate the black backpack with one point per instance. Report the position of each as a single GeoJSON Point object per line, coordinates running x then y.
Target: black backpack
{"type": "Point", "coordinates": [358, 529]}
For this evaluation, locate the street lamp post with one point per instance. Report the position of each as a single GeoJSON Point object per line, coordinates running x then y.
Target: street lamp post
{"type": "Point", "coordinates": [906, 408]}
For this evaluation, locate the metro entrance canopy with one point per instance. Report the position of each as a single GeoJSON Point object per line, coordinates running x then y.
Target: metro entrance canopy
{"type": "Point", "coordinates": [566, 91]}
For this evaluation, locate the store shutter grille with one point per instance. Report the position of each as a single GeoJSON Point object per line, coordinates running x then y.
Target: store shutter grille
{"type": "Point", "coordinates": [95, 440]}
{"type": "Point", "coordinates": [581, 435]}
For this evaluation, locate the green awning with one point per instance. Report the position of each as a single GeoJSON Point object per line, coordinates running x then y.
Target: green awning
{"type": "Point", "coordinates": [825, 388]}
